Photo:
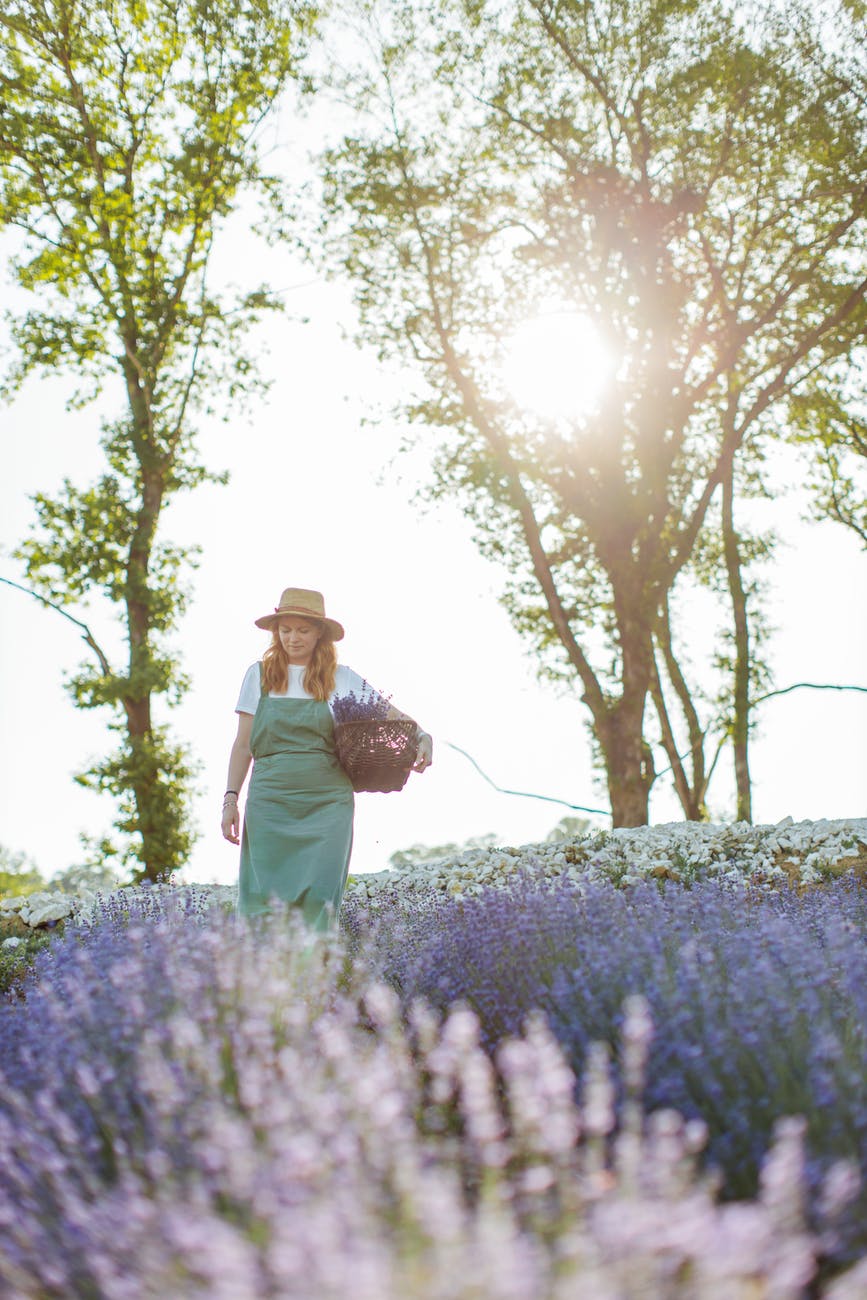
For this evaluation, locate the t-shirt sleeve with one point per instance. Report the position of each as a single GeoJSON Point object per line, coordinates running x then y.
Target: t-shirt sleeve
{"type": "Point", "coordinates": [248, 700]}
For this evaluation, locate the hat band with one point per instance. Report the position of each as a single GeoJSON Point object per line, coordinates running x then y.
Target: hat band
{"type": "Point", "coordinates": [299, 609]}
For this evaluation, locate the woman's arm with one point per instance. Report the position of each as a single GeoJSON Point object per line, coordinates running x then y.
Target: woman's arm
{"type": "Point", "coordinates": [239, 765]}
{"type": "Point", "coordinates": [352, 684]}
{"type": "Point", "coordinates": [424, 755]}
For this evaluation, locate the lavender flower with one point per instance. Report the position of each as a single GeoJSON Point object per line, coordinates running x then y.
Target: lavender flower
{"type": "Point", "coordinates": [194, 1107]}
{"type": "Point", "coordinates": [369, 706]}
{"type": "Point", "coordinates": [758, 1003]}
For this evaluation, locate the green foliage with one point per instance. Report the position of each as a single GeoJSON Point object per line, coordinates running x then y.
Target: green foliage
{"type": "Point", "coordinates": [128, 134]}
{"type": "Point", "coordinates": [15, 961]}
{"type": "Point", "coordinates": [126, 137]}
{"type": "Point", "coordinates": [687, 176]}
{"type": "Point", "coordinates": [834, 427]}
{"type": "Point", "coordinates": [151, 779]}
{"type": "Point", "coordinates": [19, 874]}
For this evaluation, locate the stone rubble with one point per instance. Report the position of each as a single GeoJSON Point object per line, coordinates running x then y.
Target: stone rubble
{"type": "Point", "coordinates": [45, 908]}
{"type": "Point", "coordinates": [803, 853]}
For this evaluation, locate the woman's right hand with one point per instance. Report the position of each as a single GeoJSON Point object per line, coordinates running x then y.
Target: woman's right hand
{"type": "Point", "coordinates": [239, 763]}
{"type": "Point", "coordinates": [231, 825]}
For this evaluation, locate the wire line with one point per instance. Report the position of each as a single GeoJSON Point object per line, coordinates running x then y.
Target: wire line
{"type": "Point", "coordinates": [524, 794]}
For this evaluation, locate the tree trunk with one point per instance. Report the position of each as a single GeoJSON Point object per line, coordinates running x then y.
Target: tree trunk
{"type": "Point", "coordinates": [628, 764]}
{"type": "Point", "coordinates": [691, 789]}
{"type": "Point", "coordinates": [690, 796]}
{"type": "Point", "coordinates": [620, 732]}
{"type": "Point", "coordinates": [144, 767]}
{"type": "Point", "coordinates": [741, 692]}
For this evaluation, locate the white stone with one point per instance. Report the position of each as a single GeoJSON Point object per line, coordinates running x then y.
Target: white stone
{"type": "Point", "coordinates": [52, 910]}
{"type": "Point", "coordinates": [13, 904]}
{"type": "Point", "coordinates": [726, 852]}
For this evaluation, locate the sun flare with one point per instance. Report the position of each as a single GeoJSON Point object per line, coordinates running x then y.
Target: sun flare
{"type": "Point", "coordinates": [557, 365]}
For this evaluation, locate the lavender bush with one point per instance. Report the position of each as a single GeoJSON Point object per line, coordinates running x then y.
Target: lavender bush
{"type": "Point", "coordinates": [759, 999]}
{"type": "Point", "coordinates": [195, 1106]}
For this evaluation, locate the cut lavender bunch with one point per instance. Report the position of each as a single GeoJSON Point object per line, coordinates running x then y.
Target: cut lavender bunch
{"type": "Point", "coordinates": [369, 706]}
{"type": "Point", "coordinates": [376, 752]}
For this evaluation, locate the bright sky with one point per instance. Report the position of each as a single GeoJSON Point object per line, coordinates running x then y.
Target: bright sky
{"type": "Point", "coordinates": [318, 499]}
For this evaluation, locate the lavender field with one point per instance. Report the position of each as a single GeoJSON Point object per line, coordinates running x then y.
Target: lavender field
{"type": "Point", "coordinates": [548, 1089]}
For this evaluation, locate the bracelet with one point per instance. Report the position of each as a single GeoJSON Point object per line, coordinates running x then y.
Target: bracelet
{"type": "Point", "coordinates": [230, 792]}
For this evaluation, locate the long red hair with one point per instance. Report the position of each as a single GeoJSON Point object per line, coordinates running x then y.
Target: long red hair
{"type": "Point", "coordinates": [319, 676]}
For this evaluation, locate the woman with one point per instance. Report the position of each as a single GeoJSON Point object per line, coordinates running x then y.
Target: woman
{"type": "Point", "coordinates": [298, 820]}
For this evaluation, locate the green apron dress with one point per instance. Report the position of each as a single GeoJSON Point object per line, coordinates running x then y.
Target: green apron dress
{"type": "Point", "coordinates": [297, 833]}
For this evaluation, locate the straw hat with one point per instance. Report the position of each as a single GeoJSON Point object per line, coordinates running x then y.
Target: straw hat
{"type": "Point", "coordinates": [305, 604]}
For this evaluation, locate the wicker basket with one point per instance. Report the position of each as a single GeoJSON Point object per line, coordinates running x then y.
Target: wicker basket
{"type": "Point", "coordinates": [377, 754]}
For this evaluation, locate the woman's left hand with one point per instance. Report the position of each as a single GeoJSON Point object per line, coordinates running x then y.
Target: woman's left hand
{"type": "Point", "coordinates": [424, 756]}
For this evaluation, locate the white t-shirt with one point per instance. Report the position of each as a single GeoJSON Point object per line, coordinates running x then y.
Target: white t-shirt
{"type": "Point", "coordinates": [346, 681]}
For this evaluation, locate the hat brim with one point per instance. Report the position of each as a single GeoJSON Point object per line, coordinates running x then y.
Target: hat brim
{"type": "Point", "coordinates": [269, 621]}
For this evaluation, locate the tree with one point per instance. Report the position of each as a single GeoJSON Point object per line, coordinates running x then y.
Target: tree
{"type": "Point", "coordinates": [829, 415]}
{"type": "Point", "coordinates": [677, 173]}
{"type": "Point", "coordinates": [128, 135]}
{"type": "Point", "coordinates": [568, 828]}
{"type": "Point", "coordinates": [725, 562]}
{"type": "Point", "coordinates": [830, 419]}
{"type": "Point", "coordinates": [98, 874]}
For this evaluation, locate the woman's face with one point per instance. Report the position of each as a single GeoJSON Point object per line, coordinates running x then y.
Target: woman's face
{"type": "Point", "coordinates": [298, 637]}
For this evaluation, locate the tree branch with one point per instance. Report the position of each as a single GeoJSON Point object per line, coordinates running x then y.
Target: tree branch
{"type": "Point", "coordinates": [87, 635]}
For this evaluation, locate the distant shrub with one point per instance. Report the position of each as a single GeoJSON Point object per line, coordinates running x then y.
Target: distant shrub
{"type": "Point", "coordinates": [19, 874]}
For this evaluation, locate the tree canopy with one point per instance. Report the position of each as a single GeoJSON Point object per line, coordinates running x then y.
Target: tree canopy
{"type": "Point", "coordinates": [688, 178]}
{"type": "Point", "coordinates": [128, 135]}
